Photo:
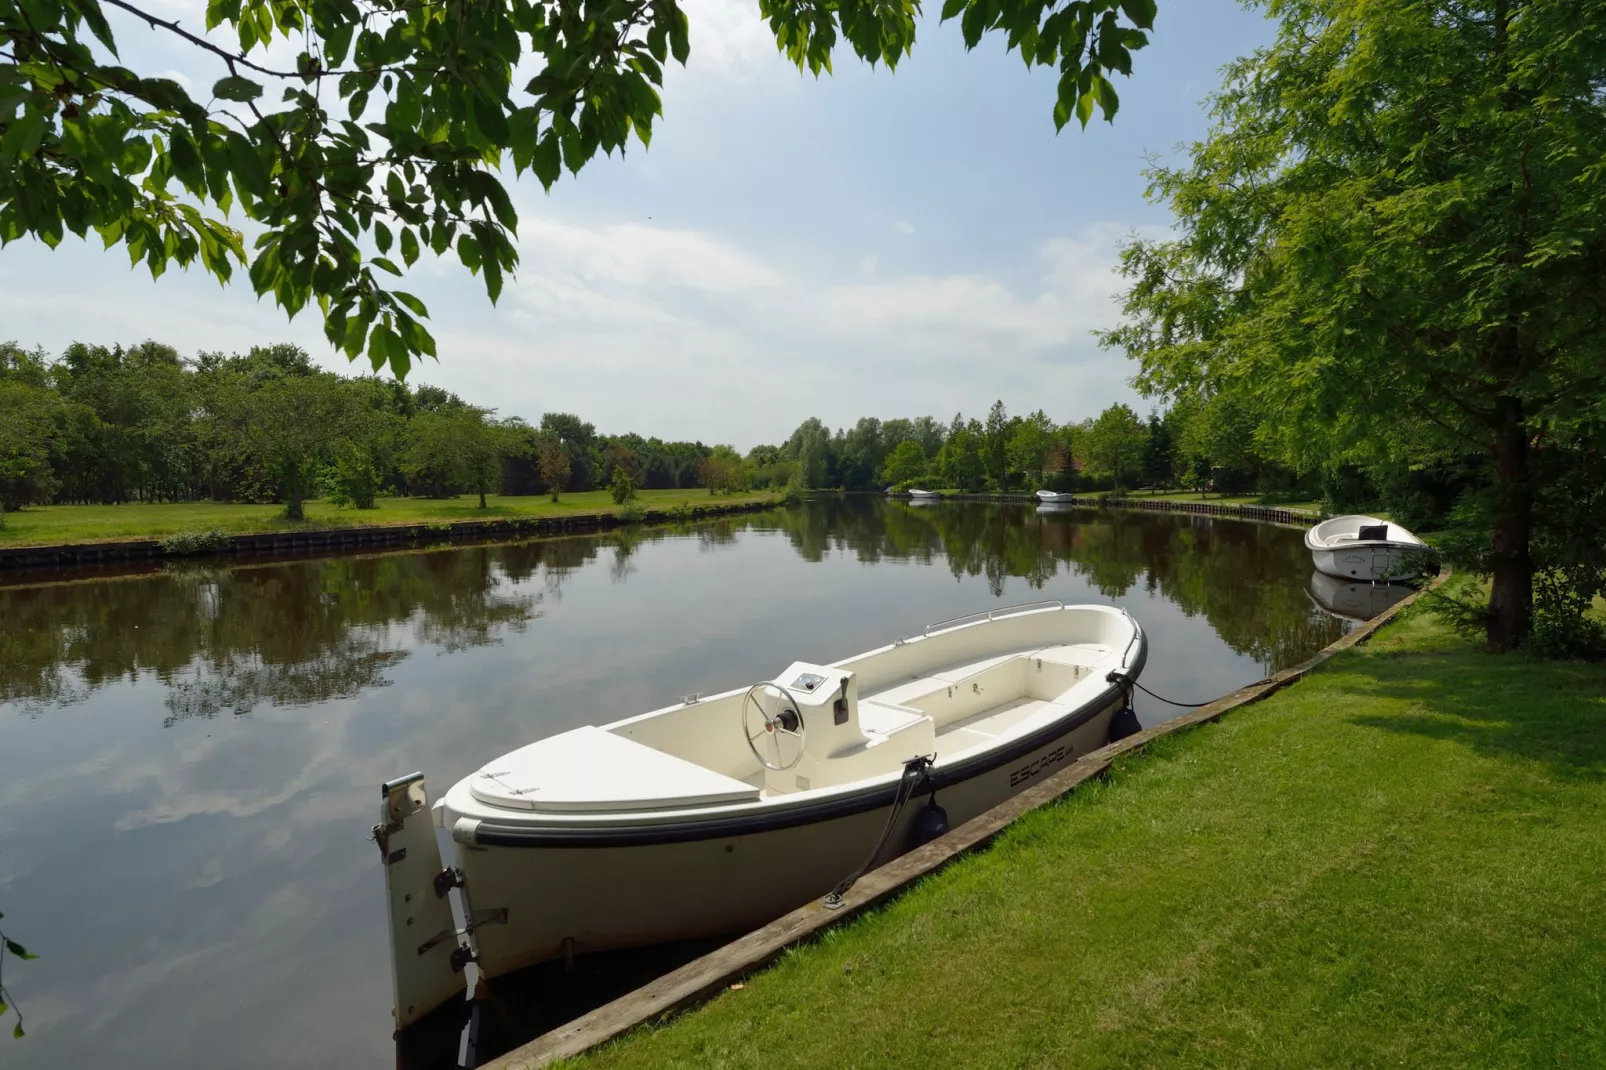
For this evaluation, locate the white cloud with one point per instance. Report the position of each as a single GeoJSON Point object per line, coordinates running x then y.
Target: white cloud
{"type": "Point", "coordinates": [1077, 294]}
{"type": "Point", "coordinates": [867, 265]}
{"type": "Point", "coordinates": [903, 227]}
{"type": "Point", "coordinates": [729, 38]}
{"type": "Point", "coordinates": [636, 255]}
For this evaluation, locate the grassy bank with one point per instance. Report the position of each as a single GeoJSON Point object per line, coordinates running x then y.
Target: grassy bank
{"type": "Point", "coordinates": [1310, 506]}
{"type": "Point", "coordinates": [1397, 861]}
{"type": "Point", "coordinates": [52, 524]}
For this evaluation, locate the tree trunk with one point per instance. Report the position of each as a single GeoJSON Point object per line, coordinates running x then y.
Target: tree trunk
{"type": "Point", "coordinates": [482, 497]}
{"type": "Point", "coordinates": [1511, 595]}
{"type": "Point", "coordinates": [292, 505]}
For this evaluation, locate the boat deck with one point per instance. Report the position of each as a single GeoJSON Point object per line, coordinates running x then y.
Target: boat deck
{"type": "Point", "coordinates": [950, 697]}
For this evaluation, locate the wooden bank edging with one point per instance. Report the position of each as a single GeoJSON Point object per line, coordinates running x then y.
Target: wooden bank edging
{"type": "Point", "coordinates": [703, 978]}
{"type": "Point", "coordinates": [269, 542]}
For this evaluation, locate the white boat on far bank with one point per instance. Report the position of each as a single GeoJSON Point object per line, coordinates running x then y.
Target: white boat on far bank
{"type": "Point", "coordinates": [926, 495]}
{"type": "Point", "coordinates": [1055, 496]}
{"type": "Point", "coordinates": [720, 814]}
{"type": "Point", "coordinates": [1365, 548]}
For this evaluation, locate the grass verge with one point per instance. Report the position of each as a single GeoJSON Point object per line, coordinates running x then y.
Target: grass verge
{"type": "Point", "coordinates": [1310, 506]}
{"type": "Point", "coordinates": [53, 524]}
{"type": "Point", "coordinates": [1395, 862]}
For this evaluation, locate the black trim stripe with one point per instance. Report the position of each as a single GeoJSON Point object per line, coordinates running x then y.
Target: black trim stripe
{"type": "Point", "coordinates": [746, 824]}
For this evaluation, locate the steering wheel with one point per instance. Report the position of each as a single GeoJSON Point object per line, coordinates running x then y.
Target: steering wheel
{"type": "Point", "coordinates": [778, 729]}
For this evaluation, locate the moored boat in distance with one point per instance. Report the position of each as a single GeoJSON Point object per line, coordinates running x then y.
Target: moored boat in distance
{"type": "Point", "coordinates": [719, 814]}
{"type": "Point", "coordinates": [1047, 496]}
{"type": "Point", "coordinates": [1365, 548]}
{"type": "Point", "coordinates": [928, 495]}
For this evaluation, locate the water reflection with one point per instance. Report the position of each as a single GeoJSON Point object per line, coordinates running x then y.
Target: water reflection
{"type": "Point", "coordinates": [188, 757]}
{"type": "Point", "coordinates": [1355, 601]}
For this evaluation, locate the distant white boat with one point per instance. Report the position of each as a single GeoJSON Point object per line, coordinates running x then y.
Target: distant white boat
{"type": "Point", "coordinates": [1055, 496]}
{"type": "Point", "coordinates": [1364, 548]}
{"type": "Point", "coordinates": [928, 494]}
{"type": "Point", "coordinates": [1354, 600]}
{"type": "Point", "coordinates": [722, 813]}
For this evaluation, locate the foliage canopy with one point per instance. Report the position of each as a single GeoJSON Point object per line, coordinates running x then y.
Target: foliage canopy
{"type": "Point", "coordinates": [1392, 254]}
{"type": "Point", "coordinates": [388, 132]}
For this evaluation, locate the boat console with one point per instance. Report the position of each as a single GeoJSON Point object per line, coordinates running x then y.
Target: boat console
{"type": "Point", "coordinates": [838, 738]}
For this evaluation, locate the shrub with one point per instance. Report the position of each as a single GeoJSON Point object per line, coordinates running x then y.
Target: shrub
{"type": "Point", "coordinates": [632, 513]}
{"type": "Point", "coordinates": [187, 543]}
{"type": "Point", "coordinates": [353, 481]}
{"type": "Point", "coordinates": [622, 489]}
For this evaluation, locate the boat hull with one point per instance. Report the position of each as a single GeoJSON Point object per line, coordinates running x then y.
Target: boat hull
{"type": "Point", "coordinates": [591, 896]}
{"type": "Point", "coordinates": [1370, 562]}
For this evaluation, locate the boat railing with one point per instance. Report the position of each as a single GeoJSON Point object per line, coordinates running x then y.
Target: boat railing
{"type": "Point", "coordinates": [992, 614]}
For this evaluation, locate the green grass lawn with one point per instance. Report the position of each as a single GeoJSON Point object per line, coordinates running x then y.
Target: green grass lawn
{"type": "Point", "coordinates": [50, 524]}
{"type": "Point", "coordinates": [1225, 499]}
{"type": "Point", "coordinates": [1400, 861]}
{"type": "Point", "coordinates": [1189, 496]}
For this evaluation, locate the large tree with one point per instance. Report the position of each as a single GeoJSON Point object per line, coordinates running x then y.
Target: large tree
{"type": "Point", "coordinates": [386, 134]}
{"type": "Point", "coordinates": [1392, 250]}
{"type": "Point", "coordinates": [291, 423]}
{"type": "Point", "coordinates": [1114, 443]}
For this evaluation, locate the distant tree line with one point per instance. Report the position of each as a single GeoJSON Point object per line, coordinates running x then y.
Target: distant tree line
{"type": "Point", "coordinates": [108, 425]}
{"type": "Point", "coordinates": [1189, 446]}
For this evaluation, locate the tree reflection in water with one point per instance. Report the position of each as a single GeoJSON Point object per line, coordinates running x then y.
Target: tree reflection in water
{"type": "Point", "coordinates": [1244, 578]}
{"type": "Point", "coordinates": [227, 639]}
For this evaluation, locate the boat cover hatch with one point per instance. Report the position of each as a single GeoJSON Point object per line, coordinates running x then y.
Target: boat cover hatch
{"type": "Point", "coordinates": [591, 769]}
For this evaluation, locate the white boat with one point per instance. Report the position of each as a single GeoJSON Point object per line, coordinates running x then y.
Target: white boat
{"type": "Point", "coordinates": [1365, 548]}
{"type": "Point", "coordinates": [1047, 496]}
{"type": "Point", "coordinates": [925, 494]}
{"type": "Point", "coordinates": [719, 814]}
{"type": "Point", "coordinates": [1353, 599]}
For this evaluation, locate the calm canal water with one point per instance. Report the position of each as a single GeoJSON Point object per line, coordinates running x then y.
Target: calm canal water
{"type": "Point", "coordinates": [189, 758]}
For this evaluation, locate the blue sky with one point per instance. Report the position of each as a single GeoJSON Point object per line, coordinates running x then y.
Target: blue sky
{"type": "Point", "coordinates": [869, 243]}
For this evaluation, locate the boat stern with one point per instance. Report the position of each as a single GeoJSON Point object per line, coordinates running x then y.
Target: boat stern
{"type": "Point", "coordinates": [427, 951]}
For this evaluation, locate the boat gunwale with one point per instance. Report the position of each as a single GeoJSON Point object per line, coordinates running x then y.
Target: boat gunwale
{"type": "Point", "coordinates": [637, 828]}
{"type": "Point", "coordinates": [1315, 542]}
{"type": "Point", "coordinates": [754, 818]}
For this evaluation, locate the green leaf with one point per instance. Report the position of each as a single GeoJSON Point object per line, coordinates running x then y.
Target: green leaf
{"type": "Point", "coordinates": [236, 88]}
{"type": "Point", "coordinates": [1084, 108]}
{"type": "Point", "coordinates": [414, 304]}
{"type": "Point", "coordinates": [376, 348]}
{"type": "Point", "coordinates": [546, 162]}
{"type": "Point", "coordinates": [382, 236]}
{"type": "Point", "coordinates": [409, 246]}
{"type": "Point", "coordinates": [1141, 12]}
{"type": "Point", "coordinates": [385, 263]}
{"type": "Point", "coordinates": [491, 118]}
{"type": "Point", "coordinates": [679, 37]}
{"type": "Point", "coordinates": [1108, 101]}
{"type": "Point", "coordinates": [18, 950]}
{"type": "Point", "coordinates": [248, 169]}
{"type": "Point", "coordinates": [16, 1030]}
{"type": "Point", "coordinates": [97, 24]}
{"type": "Point", "coordinates": [950, 8]}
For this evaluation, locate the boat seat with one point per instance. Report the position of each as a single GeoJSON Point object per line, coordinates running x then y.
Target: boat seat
{"type": "Point", "coordinates": [889, 735]}
{"type": "Point", "coordinates": [884, 718]}
{"type": "Point", "coordinates": [593, 770]}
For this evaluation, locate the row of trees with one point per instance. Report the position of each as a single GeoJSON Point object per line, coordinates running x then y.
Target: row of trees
{"type": "Point", "coordinates": [118, 424]}
{"type": "Point", "coordinates": [1204, 446]}
{"type": "Point", "coordinates": [107, 425]}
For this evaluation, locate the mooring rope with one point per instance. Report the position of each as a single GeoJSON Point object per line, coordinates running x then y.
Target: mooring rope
{"type": "Point", "coordinates": [914, 773]}
{"type": "Point", "coordinates": [1129, 683]}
